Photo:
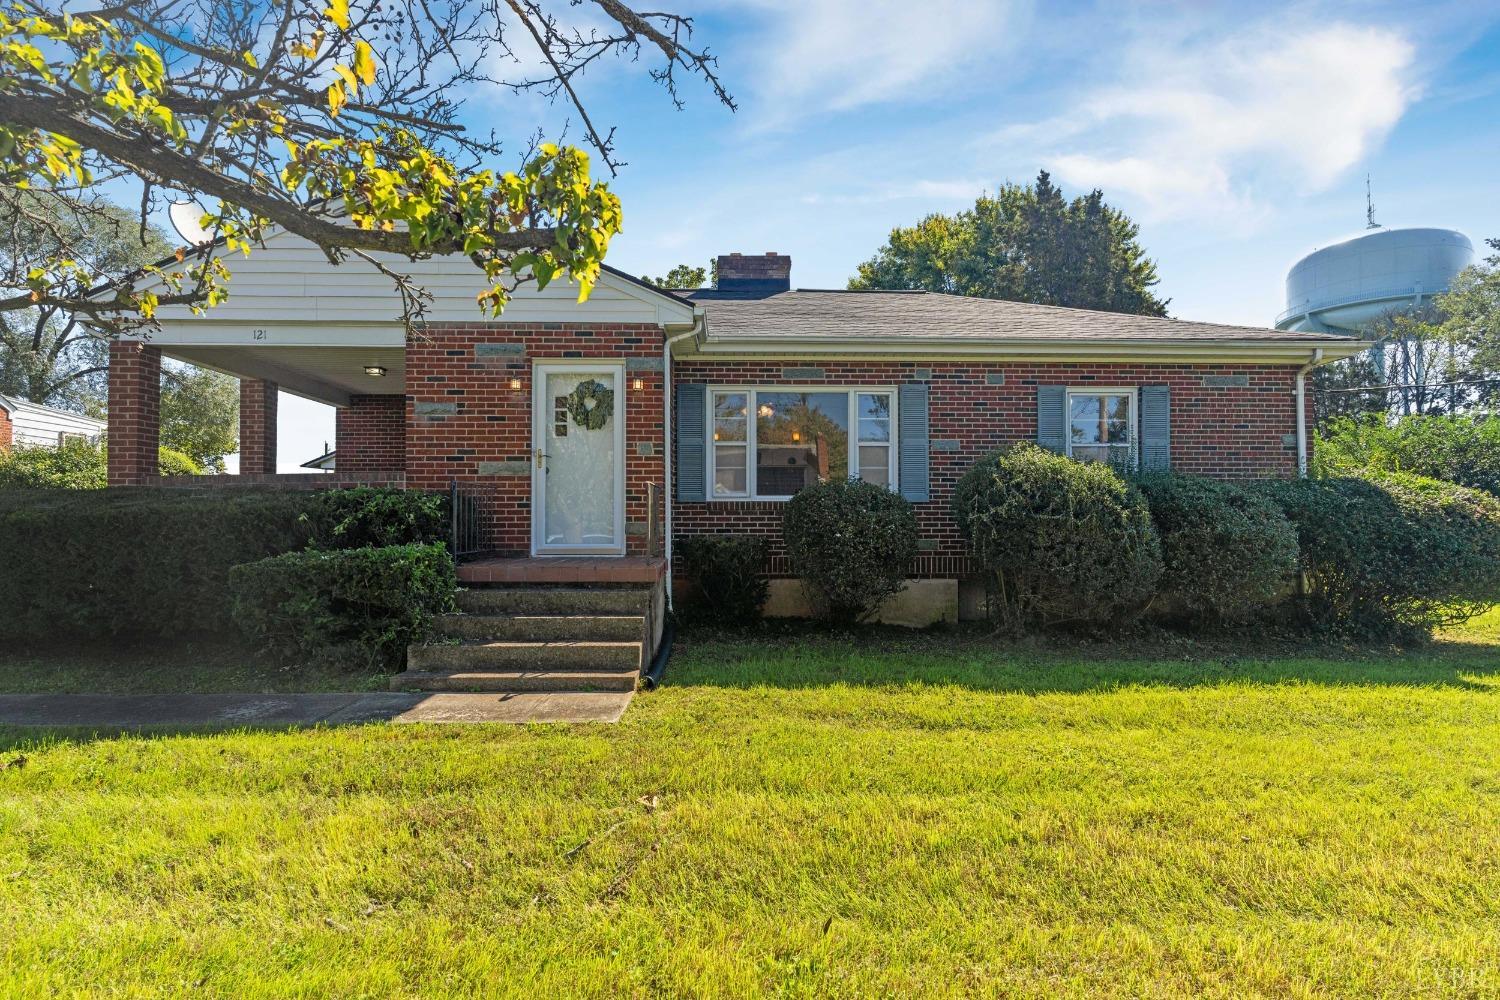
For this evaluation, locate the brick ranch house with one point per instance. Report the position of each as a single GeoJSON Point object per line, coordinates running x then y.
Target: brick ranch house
{"type": "Point", "coordinates": [764, 388]}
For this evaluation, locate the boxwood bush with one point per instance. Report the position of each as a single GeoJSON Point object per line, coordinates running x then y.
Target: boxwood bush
{"type": "Point", "coordinates": [1394, 555]}
{"type": "Point", "coordinates": [353, 606]}
{"type": "Point", "coordinates": [377, 515]}
{"type": "Point", "coordinates": [1226, 551]}
{"type": "Point", "coordinates": [1059, 542]}
{"type": "Point", "coordinates": [852, 543]}
{"type": "Point", "coordinates": [728, 576]}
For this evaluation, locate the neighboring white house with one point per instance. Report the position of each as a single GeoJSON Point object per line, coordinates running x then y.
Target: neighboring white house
{"type": "Point", "coordinates": [27, 424]}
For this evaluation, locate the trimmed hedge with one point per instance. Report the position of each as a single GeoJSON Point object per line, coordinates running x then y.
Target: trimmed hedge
{"type": "Point", "coordinates": [354, 606]}
{"type": "Point", "coordinates": [852, 543]}
{"type": "Point", "coordinates": [1059, 542]}
{"type": "Point", "coordinates": [1394, 555]}
{"type": "Point", "coordinates": [1226, 551]}
{"type": "Point", "coordinates": [728, 574]}
{"type": "Point", "coordinates": [155, 562]}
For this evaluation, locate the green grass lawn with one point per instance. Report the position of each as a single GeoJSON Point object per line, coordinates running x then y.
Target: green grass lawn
{"type": "Point", "coordinates": [807, 817]}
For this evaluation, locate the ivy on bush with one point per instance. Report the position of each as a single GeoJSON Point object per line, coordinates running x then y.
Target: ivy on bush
{"type": "Point", "coordinates": [1226, 551]}
{"type": "Point", "coordinates": [355, 606]}
{"type": "Point", "coordinates": [852, 543]}
{"type": "Point", "coordinates": [1394, 555]}
{"type": "Point", "coordinates": [728, 575]}
{"type": "Point", "coordinates": [1059, 541]}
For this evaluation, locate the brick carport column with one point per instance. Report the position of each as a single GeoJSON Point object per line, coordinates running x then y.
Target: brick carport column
{"type": "Point", "coordinates": [134, 412]}
{"type": "Point", "coordinates": [257, 426]}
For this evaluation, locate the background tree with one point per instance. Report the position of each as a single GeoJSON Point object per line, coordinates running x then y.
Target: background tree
{"type": "Point", "coordinates": [200, 412]}
{"type": "Point", "coordinates": [682, 276]}
{"type": "Point", "coordinates": [1472, 308]}
{"type": "Point", "coordinates": [1025, 244]}
{"type": "Point", "coordinates": [336, 121]}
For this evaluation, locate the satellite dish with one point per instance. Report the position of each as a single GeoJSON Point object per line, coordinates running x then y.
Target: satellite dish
{"type": "Point", "coordinates": [187, 219]}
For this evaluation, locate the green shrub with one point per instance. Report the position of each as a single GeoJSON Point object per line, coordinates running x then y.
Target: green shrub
{"type": "Point", "coordinates": [92, 563]}
{"type": "Point", "coordinates": [1394, 555]}
{"type": "Point", "coordinates": [174, 463]}
{"type": "Point", "coordinates": [1226, 550]}
{"type": "Point", "coordinates": [356, 606]}
{"type": "Point", "coordinates": [1459, 449]}
{"type": "Point", "coordinates": [852, 543]}
{"type": "Point", "coordinates": [368, 516]}
{"type": "Point", "coordinates": [1059, 541]}
{"type": "Point", "coordinates": [728, 574]}
{"type": "Point", "coordinates": [76, 465]}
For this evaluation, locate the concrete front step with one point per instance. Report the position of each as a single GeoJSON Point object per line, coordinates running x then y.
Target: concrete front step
{"type": "Point", "coordinates": [542, 628]}
{"type": "Point", "coordinates": [555, 600]}
{"type": "Point", "coordinates": [501, 655]}
{"type": "Point", "coordinates": [516, 680]}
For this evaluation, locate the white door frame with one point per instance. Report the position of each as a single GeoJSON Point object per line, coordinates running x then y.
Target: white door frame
{"type": "Point", "coordinates": [541, 414]}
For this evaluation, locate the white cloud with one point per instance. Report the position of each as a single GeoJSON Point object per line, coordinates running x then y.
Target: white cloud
{"type": "Point", "coordinates": [1215, 130]}
{"type": "Point", "coordinates": [838, 55]}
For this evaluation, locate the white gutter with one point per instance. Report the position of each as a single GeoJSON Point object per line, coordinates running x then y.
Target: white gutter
{"type": "Point", "coordinates": [666, 412]}
{"type": "Point", "coordinates": [1317, 357]}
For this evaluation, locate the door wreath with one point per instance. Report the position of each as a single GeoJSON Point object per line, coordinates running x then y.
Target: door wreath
{"type": "Point", "coordinates": [590, 404]}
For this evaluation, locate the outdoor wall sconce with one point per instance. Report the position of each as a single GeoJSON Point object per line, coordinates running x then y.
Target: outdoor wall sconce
{"type": "Point", "coordinates": [515, 383]}
{"type": "Point", "coordinates": [638, 384]}
{"type": "Point", "coordinates": [374, 371]}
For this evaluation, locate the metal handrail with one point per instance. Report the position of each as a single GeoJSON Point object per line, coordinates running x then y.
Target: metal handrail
{"type": "Point", "coordinates": [463, 522]}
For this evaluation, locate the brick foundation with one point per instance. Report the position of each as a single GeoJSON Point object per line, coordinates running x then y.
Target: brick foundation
{"type": "Point", "coordinates": [370, 434]}
{"type": "Point", "coordinates": [257, 426]}
{"type": "Point", "coordinates": [1219, 428]}
{"type": "Point", "coordinates": [462, 416]}
{"type": "Point", "coordinates": [134, 412]}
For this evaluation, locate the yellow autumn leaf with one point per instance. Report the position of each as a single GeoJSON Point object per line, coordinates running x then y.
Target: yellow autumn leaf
{"type": "Point", "coordinates": [338, 13]}
{"type": "Point", "coordinates": [336, 97]}
{"type": "Point", "coordinates": [364, 62]}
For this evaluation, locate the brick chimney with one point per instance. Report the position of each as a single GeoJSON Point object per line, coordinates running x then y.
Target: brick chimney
{"type": "Point", "coordinates": [764, 275]}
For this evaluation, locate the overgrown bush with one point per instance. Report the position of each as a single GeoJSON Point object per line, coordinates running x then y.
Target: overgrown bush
{"type": "Point", "coordinates": [1060, 542]}
{"type": "Point", "coordinates": [1394, 555]}
{"type": "Point", "coordinates": [75, 465]}
{"type": "Point", "coordinates": [1460, 449]}
{"type": "Point", "coordinates": [377, 515]}
{"type": "Point", "coordinates": [852, 543]}
{"type": "Point", "coordinates": [93, 563]}
{"type": "Point", "coordinates": [353, 606]}
{"type": "Point", "coordinates": [1226, 550]}
{"type": "Point", "coordinates": [728, 574]}
{"type": "Point", "coordinates": [170, 462]}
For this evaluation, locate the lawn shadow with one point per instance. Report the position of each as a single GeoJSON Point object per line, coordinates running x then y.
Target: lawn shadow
{"type": "Point", "coordinates": [800, 655]}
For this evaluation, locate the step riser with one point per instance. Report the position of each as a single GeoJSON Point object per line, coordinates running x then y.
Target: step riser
{"type": "Point", "coordinates": [559, 657]}
{"type": "Point", "coordinates": [561, 601]}
{"type": "Point", "coordinates": [523, 682]}
{"type": "Point", "coordinates": [580, 628]}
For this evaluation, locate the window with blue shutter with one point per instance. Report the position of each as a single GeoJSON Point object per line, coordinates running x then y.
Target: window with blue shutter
{"type": "Point", "coordinates": [692, 433]}
{"type": "Point", "coordinates": [912, 428]}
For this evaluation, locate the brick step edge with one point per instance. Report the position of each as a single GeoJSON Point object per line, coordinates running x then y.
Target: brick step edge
{"type": "Point", "coordinates": [515, 680]}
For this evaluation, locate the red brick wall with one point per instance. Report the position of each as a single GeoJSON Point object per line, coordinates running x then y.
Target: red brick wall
{"type": "Point", "coordinates": [258, 404]}
{"type": "Point", "coordinates": [370, 434]}
{"type": "Point", "coordinates": [491, 422]}
{"type": "Point", "coordinates": [134, 412]}
{"type": "Point", "coordinates": [1222, 431]}
{"type": "Point", "coordinates": [7, 432]}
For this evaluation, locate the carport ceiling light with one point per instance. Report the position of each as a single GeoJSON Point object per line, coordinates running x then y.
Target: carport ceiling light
{"type": "Point", "coordinates": [374, 371]}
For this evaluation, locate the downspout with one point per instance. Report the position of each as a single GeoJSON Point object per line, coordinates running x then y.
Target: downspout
{"type": "Point", "coordinates": [666, 412]}
{"type": "Point", "coordinates": [1317, 357]}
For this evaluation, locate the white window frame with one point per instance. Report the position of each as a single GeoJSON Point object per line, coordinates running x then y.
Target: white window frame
{"type": "Point", "coordinates": [1132, 447]}
{"type": "Point", "coordinates": [751, 392]}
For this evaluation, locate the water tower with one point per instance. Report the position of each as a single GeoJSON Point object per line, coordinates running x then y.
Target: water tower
{"type": "Point", "coordinates": [1340, 288]}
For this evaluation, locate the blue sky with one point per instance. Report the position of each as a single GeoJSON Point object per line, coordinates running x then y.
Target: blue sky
{"type": "Point", "coordinates": [1237, 135]}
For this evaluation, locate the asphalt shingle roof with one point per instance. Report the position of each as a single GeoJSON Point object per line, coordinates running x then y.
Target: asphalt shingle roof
{"type": "Point", "coordinates": [815, 313]}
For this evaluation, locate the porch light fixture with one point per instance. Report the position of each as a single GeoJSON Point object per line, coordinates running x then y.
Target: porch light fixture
{"type": "Point", "coordinates": [515, 384]}
{"type": "Point", "coordinates": [638, 384]}
{"type": "Point", "coordinates": [375, 371]}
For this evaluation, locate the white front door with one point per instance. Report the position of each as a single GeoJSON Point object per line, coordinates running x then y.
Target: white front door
{"type": "Point", "coordinates": [578, 458]}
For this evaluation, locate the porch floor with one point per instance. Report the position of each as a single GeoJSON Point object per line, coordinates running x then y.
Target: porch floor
{"type": "Point", "coordinates": [564, 569]}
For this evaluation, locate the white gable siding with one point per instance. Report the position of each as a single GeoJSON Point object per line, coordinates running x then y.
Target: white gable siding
{"type": "Point", "coordinates": [289, 280]}
{"type": "Point", "coordinates": [42, 425]}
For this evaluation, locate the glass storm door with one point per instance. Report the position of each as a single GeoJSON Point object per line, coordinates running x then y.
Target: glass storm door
{"type": "Point", "coordinates": [578, 465]}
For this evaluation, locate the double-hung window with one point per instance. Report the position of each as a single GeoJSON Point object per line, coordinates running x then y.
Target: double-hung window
{"type": "Point", "coordinates": [770, 443]}
{"type": "Point", "coordinates": [1101, 425]}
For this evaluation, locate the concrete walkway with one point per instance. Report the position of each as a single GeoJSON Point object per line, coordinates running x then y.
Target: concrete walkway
{"type": "Point", "coordinates": [149, 711]}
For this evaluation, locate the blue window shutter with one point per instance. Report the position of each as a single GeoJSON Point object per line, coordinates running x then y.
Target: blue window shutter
{"type": "Point", "coordinates": [1052, 417]}
{"type": "Point", "coordinates": [692, 441]}
{"type": "Point", "coordinates": [911, 429]}
{"type": "Point", "coordinates": [1156, 428]}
